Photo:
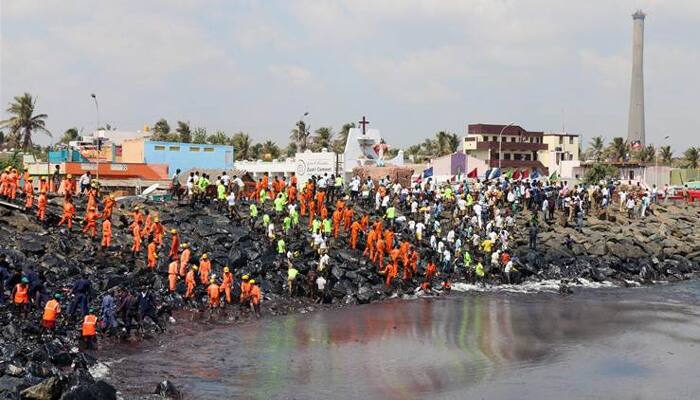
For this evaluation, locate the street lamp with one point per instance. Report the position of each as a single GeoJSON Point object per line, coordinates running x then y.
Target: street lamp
{"type": "Point", "coordinates": [500, 142]}
{"type": "Point", "coordinates": [97, 134]}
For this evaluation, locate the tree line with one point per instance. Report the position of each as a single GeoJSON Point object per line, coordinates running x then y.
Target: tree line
{"type": "Point", "coordinates": [619, 150]}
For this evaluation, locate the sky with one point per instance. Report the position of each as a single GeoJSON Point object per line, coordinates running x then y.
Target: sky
{"type": "Point", "coordinates": [413, 67]}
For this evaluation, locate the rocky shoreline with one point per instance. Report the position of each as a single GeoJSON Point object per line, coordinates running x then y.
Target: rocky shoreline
{"type": "Point", "coordinates": [662, 247]}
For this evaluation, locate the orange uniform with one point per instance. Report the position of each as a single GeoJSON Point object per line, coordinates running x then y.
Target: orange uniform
{"type": "Point", "coordinates": [41, 206]}
{"type": "Point", "coordinates": [136, 233]}
{"type": "Point", "coordinates": [245, 291]}
{"type": "Point", "coordinates": [29, 194]}
{"type": "Point", "coordinates": [430, 271]}
{"type": "Point", "coordinates": [108, 207]}
{"type": "Point", "coordinates": [226, 285]}
{"type": "Point", "coordinates": [21, 294]}
{"type": "Point", "coordinates": [369, 247]}
{"type": "Point", "coordinates": [51, 310]}
{"type": "Point", "coordinates": [68, 213]}
{"type": "Point", "coordinates": [172, 276]}
{"type": "Point", "coordinates": [204, 270]}
{"type": "Point", "coordinates": [191, 283]}
{"type": "Point", "coordinates": [13, 184]}
{"type": "Point", "coordinates": [158, 231]}
{"type": "Point", "coordinates": [389, 240]}
{"type": "Point", "coordinates": [379, 254]}
{"type": "Point", "coordinates": [90, 223]}
{"type": "Point", "coordinates": [255, 294]}
{"type": "Point", "coordinates": [320, 200]}
{"type": "Point", "coordinates": [89, 326]}
{"type": "Point", "coordinates": [354, 232]}
{"type": "Point", "coordinates": [174, 247]}
{"type": "Point", "coordinates": [347, 218]}
{"type": "Point", "coordinates": [337, 217]}
{"type": "Point", "coordinates": [213, 291]}
{"type": "Point", "coordinates": [152, 255]}
{"type": "Point", "coordinates": [364, 221]}
{"type": "Point", "coordinates": [106, 233]}
{"type": "Point", "coordinates": [184, 260]}
{"type": "Point", "coordinates": [292, 194]}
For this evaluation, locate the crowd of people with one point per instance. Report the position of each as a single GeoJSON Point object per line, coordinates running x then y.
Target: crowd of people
{"type": "Point", "coordinates": [419, 236]}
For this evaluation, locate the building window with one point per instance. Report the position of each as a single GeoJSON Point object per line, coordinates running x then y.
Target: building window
{"type": "Point", "coordinates": [208, 149]}
{"type": "Point", "coordinates": [561, 139]}
{"type": "Point", "coordinates": [495, 138]}
{"type": "Point", "coordinates": [194, 148]}
{"type": "Point", "coordinates": [486, 138]}
{"type": "Point", "coordinates": [506, 156]}
{"type": "Point", "coordinates": [159, 148]}
{"type": "Point", "coordinates": [571, 140]}
{"type": "Point", "coordinates": [512, 140]}
{"type": "Point", "coordinates": [174, 148]}
{"type": "Point", "coordinates": [517, 157]}
{"type": "Point", "coordinates": [527, 157]}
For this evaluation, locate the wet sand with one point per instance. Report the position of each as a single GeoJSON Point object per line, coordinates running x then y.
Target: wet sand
{"type": "Point", "coordinates": [640, 343]}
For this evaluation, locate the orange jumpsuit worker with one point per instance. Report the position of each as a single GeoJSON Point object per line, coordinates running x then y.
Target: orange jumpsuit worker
{"type": "Point", "coordinates": [43, 185]}
{"type": "Point", "coordinates": [227, 284]}
{"type": "Point", "coordinates": [68, 213]}
{"type": "Point", "coordinates": [91, 222]}
{"type": "Point", "coordinates": [13, 184]}
{"type": "Point", "coordinates": [109, 203]}
{"type": "Point", "coordinates": [354, 231]}
{"type": "Point", "coordinates": [347, 218]}
{"type": "Point", "coordinates": [389, 240]}
{"type": "Point", "coordinates": [255, 297]}
{"type": "Point", "coordinates": [430, 271]}
{"type": "Point", "coordinates": [379, 254]}
{"type": "Point", "coordinates": [4, 181]}
{"type": "Point", "coordinates": [172, 276]}
{"type": "Point", "coordinates": [41, 206]}
{"type": "Point", "coordinates": [204, 269]}
{"type": "Point", "coordinates": [29, 193]}
{"type": "Point", "coordinates": [191, 282]}
{"type": "Point", "coordinates": [158, 231]}
{"type": "Point", "coordinates": [89, 331]}
{"type": "Point", "coordinates": [312, 212]}
{"type": "Point", "coordinates": [136, 232]}
{"type": "Point", "coordinates": [174, 245]}
{"type": "Point", "coordinates": [337, 217]}
{"type": "Point", "coordinates": [185, 258]}
{"type": "Point", "coordinates": [214, 293]}
{"type": "Point", "coordinates": [245, 289]}
{"type": "Point", "coordinates": [51, 311]}
{"type": "Point", "coordinates": [136, 215]}
{"type": "Point", "coordinates": [320, 200]}
{"type": "Point", "coordinates": [106, 233]}
{"type": "Point", "coordinates": [152, 255]}
{"type": "Point", "coordinates": [369, 247]}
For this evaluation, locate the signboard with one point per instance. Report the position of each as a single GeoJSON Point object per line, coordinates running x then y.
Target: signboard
{"type": "Point", "coordinates": [88, 167]}
{"type": "Point", "coordinates": [309, 164]}
{"type": "Point", "coordinates": [118, 167]}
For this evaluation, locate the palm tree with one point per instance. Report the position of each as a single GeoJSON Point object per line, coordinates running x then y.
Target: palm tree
{"type": "Point", "coordinates": [271, 148]}
{"type": "Point", "coordinates": [24, 122]}
{"type": "Point", "coordinates": [618, 149]}
{"type": "Point", "coordinates": [256, 151]}
{"type": "Point", "coordinates": [161, 130]}
{"type": "Point", "coordinates": [430, 147]}
{"type": "Point", "coordinates": [70, 135]}
{"type": "Point", "coordinates": [666, 154]}
{"type": "Point", "coordinates": [342, 138]}
{"type": "Point", "coordinates": [242, 146]}
{"type": "Point", "coordinates": [291, 149]}
{"type": "Point", "coordinates": [323, 138]}
{"type": "Point", "coordinates": [300, 135]}
{"type": "Point", "coordinates": [692, 157]}
{"type": "Point", "coordinates": [597, 147]}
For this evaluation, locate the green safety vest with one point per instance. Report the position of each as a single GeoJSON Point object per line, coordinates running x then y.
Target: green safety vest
{"type": "Point", "coordinates": [263, 195]}
{"type": "Point", "coordinates": [266, 219]}
{"type": "Point", "coordinates": [315, 226]}
{"type": "Point", "coordinates": [338, 181]}
{"type": "Point", "coordinates": [221, 192]}
{"type": "Point", "coordinates": [327, 226]}
{"type": "Point", "coordinates": [292, 274]}
{"type": "Point", "coordinates": [467, 259]}
{"type": "Point", "coordinates": [479, 270]}
{"type": "Point", "coordinates": [391, 212]}
{"type": "Point", "coordinates": [253, 210]}
{"type": "Point", "coordinates": [279, 204]}
{"type": "Point", "coordinates": [280, 246]}
{"type": "Point", "coordinates": [295, 217]}
{"type": "Point", "coordinates": [286, 223]}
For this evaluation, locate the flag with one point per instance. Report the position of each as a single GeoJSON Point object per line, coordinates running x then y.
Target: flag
{"type": "Point", "coordinates": [509, 174]}
{"type": "Point", "coordinates": [517, 175]}
{"type": "Point", "coordinates": [428, 172]}
{"type": "Point", "coordinates": [554, 176]}
{"type": "Point", "coordinates": [525, 174]}
{"type": "Point", "coordinates": [535, 175]}
{"type": "Point", "coordinates": [487, 173]}
{"type": "Point", "coordinates": [453, 178]}
{"type": "Point", "coordinates": [472, 174]}
{"type": "Point", "coordinates": [495, 173]}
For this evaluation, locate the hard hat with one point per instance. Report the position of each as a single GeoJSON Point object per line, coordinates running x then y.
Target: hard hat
{"type": "Point", "coordinates": [92, 208]}
{"type": "Point", "coordinates": [136, 207]}
{"type": "Point", "coordinates": [30, 179]}
{"type": "Point", "coordinates": [42, 178]}
{"type": "Point", "coordinates": [91, 310]}
{"type": "Point", "coordinates": [244, 277]}
{"type": "Point", "coordinates": [26, 169]}
{"type": "Point", "coordinates": [212, 280]}
{"type": "Point", "coordinates": [57, 296]}
{"type": "Point", "coordinates": [252, 281]}
{"type": "Point", "coordinates": [111, 196]}
{"type": "Point", "coordinates": [194, 267]}
{"type": "Point", "coordinates": [69, 176]}
{"type": "Point", "coordinates": [205, 256]}
{"type": "Point", "coordinates": [185, 245]}
{"type": "Point", "coordinates": [156, 219]}
{"type": "Point", "coordinates": [173, 231]}
{"type": "Point", "coordinates": [226, 269]}
{"type": "Point", "coordinates": [25, 279]}
{"type": "Point", "coordinates": [43, 191]}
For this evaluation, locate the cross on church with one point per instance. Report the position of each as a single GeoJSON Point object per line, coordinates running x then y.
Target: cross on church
{"type": "Point", "coordinates": [364, 124]}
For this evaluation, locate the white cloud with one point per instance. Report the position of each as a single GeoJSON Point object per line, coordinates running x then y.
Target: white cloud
{"type": "Point", "coordinates": [292, 74]}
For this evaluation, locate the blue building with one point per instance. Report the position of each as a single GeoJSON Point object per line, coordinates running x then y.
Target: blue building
{"type": "Point", "coordinates": [182, 156]}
